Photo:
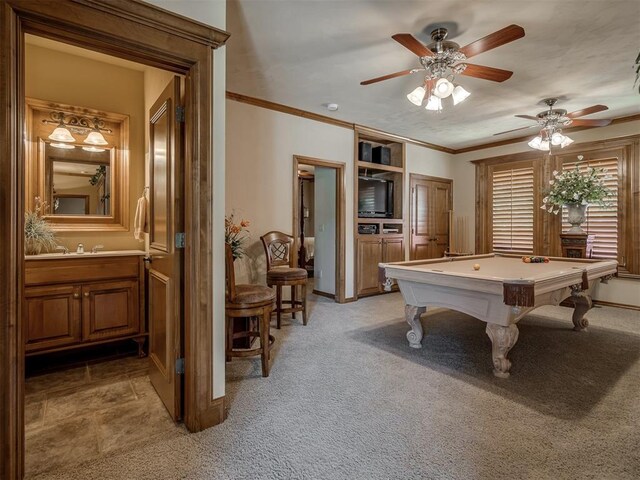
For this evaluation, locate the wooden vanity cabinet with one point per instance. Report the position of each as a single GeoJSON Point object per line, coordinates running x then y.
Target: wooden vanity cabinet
{"type": "Point", "coordinates": [372, 250]}
{"type": "Point", "coordinates": [75, 302]}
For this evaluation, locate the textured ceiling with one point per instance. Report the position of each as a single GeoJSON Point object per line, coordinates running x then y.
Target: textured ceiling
{"type": "Point", "coordinates": [307, 53]}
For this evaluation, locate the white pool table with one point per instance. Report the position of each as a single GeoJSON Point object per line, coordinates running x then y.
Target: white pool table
{"type": "Point", "coordinates": [502, 291]}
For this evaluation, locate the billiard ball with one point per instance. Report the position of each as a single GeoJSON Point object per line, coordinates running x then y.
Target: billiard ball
{"type": "Point", "coordinates": [527, 260]}
{"type": "Point", "coordinates": [476, 266]}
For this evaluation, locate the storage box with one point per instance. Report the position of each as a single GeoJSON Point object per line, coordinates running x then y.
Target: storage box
{"type": "Point", "coordinates": [381, 155]}
{"type": "Point", "coordinates": [364, 151]}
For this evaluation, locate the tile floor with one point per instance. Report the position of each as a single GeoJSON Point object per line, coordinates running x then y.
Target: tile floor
{"type": "Point", "coordinates": [90, 409]}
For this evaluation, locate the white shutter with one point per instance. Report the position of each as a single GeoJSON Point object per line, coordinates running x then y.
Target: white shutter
{"type": "Point", "coordinates": [601, 221]}
{"type": "Point", "coordinates": [513, 210]}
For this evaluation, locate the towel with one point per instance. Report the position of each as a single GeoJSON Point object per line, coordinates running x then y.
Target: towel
{"type": "Point", "coordinates": [140, 220]}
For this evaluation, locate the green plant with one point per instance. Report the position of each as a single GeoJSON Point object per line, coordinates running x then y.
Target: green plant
{"type": "Point", "coordinates": [38, 235]}
{"type": "Point", "coordinates": [637, 67]}
{"type": "Point", "coordinates": [235, 234]}
{"type": "Point", "coordinates": [100, 172]}
{"type": "Point", "coordinates": [576, 186]}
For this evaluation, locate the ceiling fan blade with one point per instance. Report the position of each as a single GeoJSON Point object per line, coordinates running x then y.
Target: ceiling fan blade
{"type": "Point", "coordinates": [487, 73]}
{"type": "Point", "coordinates": [515, 130]}
{"type": "Point", "coordinates": [528, 117]}
{"type": "Point", "coordinates": [589, 123]}
{"type": "Point", "coordinates": [493, 40]}
{"type": "Point", "coordinates": [386, 77]}
{"type": "Point", "coordinates": [587, 111]}
{"type": "Point", "coordinates": [412, 43]}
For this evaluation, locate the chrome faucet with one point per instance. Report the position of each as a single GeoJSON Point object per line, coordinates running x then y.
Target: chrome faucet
{"type": "Point", "coordinates": [96, 248]}
{"type": "Point", "coordinates": [80, 248]}
{"type": "Point", "coordinates": [64, 249]}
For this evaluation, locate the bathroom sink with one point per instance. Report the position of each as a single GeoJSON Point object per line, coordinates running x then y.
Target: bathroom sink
{"type": "Point", "coordinates": [100, 253]}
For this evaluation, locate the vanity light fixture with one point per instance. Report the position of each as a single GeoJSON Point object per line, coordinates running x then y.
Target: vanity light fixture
{"type": "Point", "coordinates": [93, 149]}
{"type": "Point", "coordinates": [62, 145]}
{"type": "Point", "coordinates": [67, 123]}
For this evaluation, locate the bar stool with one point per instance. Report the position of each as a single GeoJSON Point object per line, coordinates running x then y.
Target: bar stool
{"type": "Point", "coordinates": [248, 301]}
{"type": "Point", "coordinates": [281, 273]}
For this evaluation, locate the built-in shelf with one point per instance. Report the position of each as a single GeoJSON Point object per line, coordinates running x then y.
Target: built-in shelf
{"type": "Point", "coordinates": [379, 166]}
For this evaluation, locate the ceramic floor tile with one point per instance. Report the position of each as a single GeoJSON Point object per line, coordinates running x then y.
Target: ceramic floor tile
{"type": "Point", "coordinates": [142, 387]}
{"type": "Point", "coordinates": [79, 402]}
{"type": "Point", "coordinates": [33, 415]}
{"type": "Point", "coordinates": [53, 381]}
{"type": "Point", "coordinates": [62, 444]}
{"type": "Point", "coordinates": [105, 370]}
{"type": "Point", "coordinates": [134, 423]}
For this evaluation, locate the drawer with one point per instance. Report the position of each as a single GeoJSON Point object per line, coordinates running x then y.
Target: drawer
{"type": "Point", "coordinates": [73, 270]}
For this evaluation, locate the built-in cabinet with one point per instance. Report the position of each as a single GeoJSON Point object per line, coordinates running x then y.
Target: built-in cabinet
{"type": "Point", "coordinates": [379, 239]}
{"type": "Point", "coordinates": [79, 301]}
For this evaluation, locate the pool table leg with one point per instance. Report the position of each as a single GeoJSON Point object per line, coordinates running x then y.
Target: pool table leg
{"type": "Point", "coordinates": [412, 314]}
{"type": "Point", "coordinates": [581, 305]}
{"type": "Point", "coordinates": [502, 340]}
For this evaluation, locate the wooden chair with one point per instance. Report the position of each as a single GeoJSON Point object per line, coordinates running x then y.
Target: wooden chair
{"type": "Point", "coordinates": [248, 301]}
{"type": "Point", "coordinates": [281, 273]}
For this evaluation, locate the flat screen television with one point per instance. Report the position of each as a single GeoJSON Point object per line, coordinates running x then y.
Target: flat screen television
{"type": "Point", "coordinates": [375, 197]}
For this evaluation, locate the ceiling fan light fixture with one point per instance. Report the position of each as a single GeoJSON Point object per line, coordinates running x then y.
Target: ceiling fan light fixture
{"type": "Point", "coordinates": [417, 96]}
{"type": "Point", "coordinates": [535, 142]}
{"type": "Point", "coordinates": [459, 94]}
{"type": "Point", "coordinates": [61, 134]}
{"type": "Point", "coordinates": [434, 104]}
{"type": "Point", "coordinates": [544, 145]}
{"type": "Point", "coordinates": [557, 138]}
{"type": "Point", "coordinates": [95, 138]}
{"type": "Point", "coordinates": [443, 88]}
{"type": "Point", "coordinates": [566, 142]}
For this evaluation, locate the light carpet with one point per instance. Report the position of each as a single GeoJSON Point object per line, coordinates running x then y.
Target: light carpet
{"type": "Point", "coordinates": [348, 399]}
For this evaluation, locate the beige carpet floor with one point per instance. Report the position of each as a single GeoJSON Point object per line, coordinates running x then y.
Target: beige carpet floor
{"type": "Point", "coordinates": [348, 399]}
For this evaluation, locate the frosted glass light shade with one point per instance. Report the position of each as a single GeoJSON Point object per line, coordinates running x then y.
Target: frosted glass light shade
{"type": "Point", "coordinates": [544, 146]}
{"type": "Point", "coordinates": [459, 94]}
{"type": "Point", "coordinates": [557, 138]}
{"type": "Point", "coordinates": [566, 142]}
{"type": "Point", "coordinates": [434, 104]}
{"type": "Point", "coordinates": [417, 96]}
{"type": "Point", "coordinates": [443, 88]}
{"type": "Point", "coordinates": [535, 142]}
{"type": "Point", "coordinates": [95, 138]}
{"type": "Point", "coordinates": [62, 145]}
{"type": "Point", "coordinates": [61, 134]}
{"type": "Point", "coordinates": [93, 149]}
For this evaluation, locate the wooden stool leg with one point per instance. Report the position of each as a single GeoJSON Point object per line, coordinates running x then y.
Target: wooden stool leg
{"type": "Point", "coordinates": [229, 336]}
{"type": "Point", "coordinates": [265, 319]}
{"type": "Point", "coordinates": [304, 303]}
{"type": "Point", "coordinates": [293, 300]}
{"type": "Point", "coordinates": [278, 305]}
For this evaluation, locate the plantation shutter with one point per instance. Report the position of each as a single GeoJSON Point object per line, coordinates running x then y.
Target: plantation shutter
{"type": "Point", "coordinates": [513, 210]}
{"type": "Point", "coordinates": [601, 221]}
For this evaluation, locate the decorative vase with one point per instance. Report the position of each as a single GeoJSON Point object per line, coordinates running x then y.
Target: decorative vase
{"type": "Point", "coordinates": [576, 215]}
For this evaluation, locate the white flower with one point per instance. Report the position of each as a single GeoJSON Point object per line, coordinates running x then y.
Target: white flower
{"type": "Point", "coordinates": [555, 173]}
{"type": "Point", "coordinates": [564, 192]}
{"type": "Point", "coordinates": [545, 199]}
{"type": "Point", "coordinates": [576, 196]}
{"type": "Point", "coordinates": [551, 182]}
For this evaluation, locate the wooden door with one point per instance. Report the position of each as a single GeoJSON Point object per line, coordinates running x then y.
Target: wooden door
{"type": "Point", "coordinates": [52, 317]}
{"type": "Point", "coordinates": [431, 201]}
{"type": "Point", "coordinates": [369, 256]}
{"type": "Point", "coordinates": [165, 305]}
{"type": "Point", "coordinates": [110, 309]}
{"type": "Point", "coordinates": [393, 250]}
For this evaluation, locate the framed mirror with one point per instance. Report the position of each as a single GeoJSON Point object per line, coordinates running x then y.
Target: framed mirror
{"type": "Point", "coordinates": [77, 163]}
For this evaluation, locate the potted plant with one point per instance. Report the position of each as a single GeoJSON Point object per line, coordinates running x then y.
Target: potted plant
{"type": "Point", "coordinates": [576, 189]}
{"type": "Point", "coordinates": [38, 235]}
{"type": "Point", "coordinates": [235, 234]}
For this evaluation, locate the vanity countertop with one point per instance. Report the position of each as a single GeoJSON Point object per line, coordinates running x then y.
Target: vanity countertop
{"type": "Point", "coordinates": [101, 253]}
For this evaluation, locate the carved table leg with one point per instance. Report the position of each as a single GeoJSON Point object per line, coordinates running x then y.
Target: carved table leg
{"type": "Point", "coordinates": [502, 339]}
{"type": "Point", "coordinates": [412, 314]}
{"type": "Point", "coordinates": [581, 304]}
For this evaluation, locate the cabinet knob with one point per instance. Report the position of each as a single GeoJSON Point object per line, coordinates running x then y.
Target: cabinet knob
{"type": "Point", "coordinates": [76, 295]}
{"type": "Point", "coordinates": [86, 294]}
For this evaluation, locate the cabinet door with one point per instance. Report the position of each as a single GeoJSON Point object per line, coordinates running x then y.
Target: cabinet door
{"type": "Point", "coordinates": [369, 256]}
{"type": "Point", "coordinates": [52, 317]}
{"type": "Point", "coordinates": [393, 250]}
{"type": "Point", "coordinates": [110, 309]}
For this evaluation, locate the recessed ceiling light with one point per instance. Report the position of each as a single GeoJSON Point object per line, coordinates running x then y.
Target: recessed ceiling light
{"type": "Point", "coordinates": [332, 107]}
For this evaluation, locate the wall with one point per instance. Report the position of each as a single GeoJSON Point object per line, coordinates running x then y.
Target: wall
{"type": "Point", "coordinates": [213, 12]}
{"type": "Point", "coordinates": [324, 263]}
{"type": "Point", "coordinates": [65, 78]}
{"type": "Point", "coordinates": [622, 291]}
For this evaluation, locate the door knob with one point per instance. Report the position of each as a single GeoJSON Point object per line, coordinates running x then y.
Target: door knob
{"type": "Point", "coordinates": [76, 295]}
{"type": "Point", "coordinates": [86, 294]}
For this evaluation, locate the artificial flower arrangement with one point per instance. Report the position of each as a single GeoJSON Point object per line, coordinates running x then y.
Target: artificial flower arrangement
{"type": "Point", "coordinates": [573, 187]}
{"type": "Point", "coordinates": [38, 235]}
{"type": "Point", "coordinates": [235, 234]}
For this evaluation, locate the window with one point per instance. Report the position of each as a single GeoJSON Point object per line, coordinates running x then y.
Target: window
{"type": "Point", "coordinates": [512, 210]}
{"type": "Point", "coordinates": [602, 221]}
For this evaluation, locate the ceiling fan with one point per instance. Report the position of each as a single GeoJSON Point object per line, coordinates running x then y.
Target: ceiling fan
{"type": "Point", "coordinates": [443, 59]}
{"type": "Point", "coordinates": [552, 121]}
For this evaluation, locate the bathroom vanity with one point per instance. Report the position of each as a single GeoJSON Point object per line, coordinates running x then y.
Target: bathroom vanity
{"type": "Point", "coordinates": [75, 300]}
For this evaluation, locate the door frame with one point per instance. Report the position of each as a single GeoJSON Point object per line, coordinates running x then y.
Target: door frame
{"type": "Point", "coordinates": [341, 191]}
{"type": "Point", "coordinates": [146, 34]}
{"type": "Point", "coordinates": [418, 176]}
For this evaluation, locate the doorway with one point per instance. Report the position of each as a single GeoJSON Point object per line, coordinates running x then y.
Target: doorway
{"type": "Point", "coordinates": [319, 224]}
{"type": "Point", "coordinates": [154, 37]}
{"type": "Point", "coordinates": [430, 212]}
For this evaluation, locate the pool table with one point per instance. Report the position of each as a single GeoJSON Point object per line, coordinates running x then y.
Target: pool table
{"type": "Point", "coordinates": [501, 291]}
